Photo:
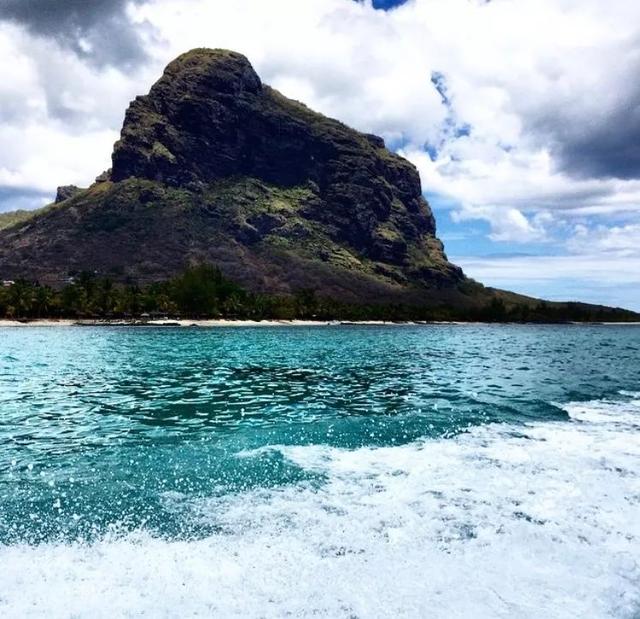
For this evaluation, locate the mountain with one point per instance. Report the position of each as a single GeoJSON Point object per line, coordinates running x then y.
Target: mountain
{"type": "Point", "coordinates": [213, 166]}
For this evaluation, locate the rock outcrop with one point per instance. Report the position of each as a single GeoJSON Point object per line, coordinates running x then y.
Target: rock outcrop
{"type": "Point", "coordinates": [65, 192]}
{"type": "Point", "coordinates": [215, 166]}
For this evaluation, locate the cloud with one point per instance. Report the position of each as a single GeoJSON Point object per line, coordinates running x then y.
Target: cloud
{"type": "Point", "coordinates": [621, 241]}
{"type": "Point", "coordinates": [592, 122]}
{"type": "Point", "coordinates": [595, 278]}
{"type": "Point", "coordinates": [59, 116]}
{"type": "Point", "coordinates": [21, 199]}
{"type": "Point", "coordinates": [30, 166]}
{"type": "Point", "coordinates": [98, 30]}
{"type": "Point", "coordinates": [509, 224]}
{"type": "Point", "coordinates": [44, 82]}
{"type": "Point", "coordinates": [341, 57]}
{"type": "Point", "coordinates": [547, 95]}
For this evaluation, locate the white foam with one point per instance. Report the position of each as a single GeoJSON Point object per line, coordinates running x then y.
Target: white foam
{"type": "Point", "coordinates": [504, 521]}
{"type": "Point", "coordinates": [610, 412]}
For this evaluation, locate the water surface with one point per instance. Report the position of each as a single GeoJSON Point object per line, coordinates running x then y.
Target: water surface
{"type": "Point", "coordinates": [442, 471]}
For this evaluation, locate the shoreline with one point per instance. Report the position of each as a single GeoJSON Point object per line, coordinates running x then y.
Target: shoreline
{"type": "Point", "coordinates": [223, 322]}
{"type": "Point", "coordinates": [204, 322]}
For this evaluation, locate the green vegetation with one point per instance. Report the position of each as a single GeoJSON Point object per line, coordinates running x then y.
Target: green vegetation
{"type": "Point", "coordinates": [203, 292]}
{"type": "Point", "coordinates": [15, 217]}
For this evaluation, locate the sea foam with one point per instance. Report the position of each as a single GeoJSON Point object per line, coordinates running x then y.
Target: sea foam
{"type": "Point", "coordinates": [533, 520]}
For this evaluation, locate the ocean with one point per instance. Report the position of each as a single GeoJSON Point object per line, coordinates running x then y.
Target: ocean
{"type": "Point", "coordinates": [349, 471]}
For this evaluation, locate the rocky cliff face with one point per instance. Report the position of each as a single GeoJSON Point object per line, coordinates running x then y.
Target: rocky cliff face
{"type": "Point", "coordinates": [209, 118]}
{"type": "Point", "coordinates": [212, 165]}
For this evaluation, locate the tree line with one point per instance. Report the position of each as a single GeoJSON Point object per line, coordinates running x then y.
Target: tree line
{"type": "Point", "coordinates": [203, 292]}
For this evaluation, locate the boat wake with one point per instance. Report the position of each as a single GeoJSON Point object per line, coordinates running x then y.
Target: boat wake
{"type": "Point", "coordinates": [531, 520]}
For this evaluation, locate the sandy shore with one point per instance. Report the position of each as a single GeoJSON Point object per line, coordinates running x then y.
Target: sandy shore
{"type": "Point", "coordinates": [220, 322]}
{"type": "Point", "coordinates": [187, 323]}
{"type": "Point", "coordinates": [38, 323]}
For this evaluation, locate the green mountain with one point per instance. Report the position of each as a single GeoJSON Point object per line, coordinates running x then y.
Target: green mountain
{"type": "Point", "coordinates": [213, 166]}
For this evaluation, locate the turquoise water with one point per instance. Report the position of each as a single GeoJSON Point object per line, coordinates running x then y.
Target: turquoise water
{"type": "Point", "coordinates": [348, 471]}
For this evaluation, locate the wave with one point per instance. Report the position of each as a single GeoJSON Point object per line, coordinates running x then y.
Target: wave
{"type": "Point", "coordinates": [529, 520]}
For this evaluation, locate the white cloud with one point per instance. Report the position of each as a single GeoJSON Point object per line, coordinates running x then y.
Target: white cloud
{"type": "Point", "coordinates": [592, 267]}
{"type": "Point", "coordinates": [59, 116]}
{"type": "Point", "coordinates": [622, 241]}
{"type": "Point", "coordinates": [341, 57]}
{"type": "Point", "coordinates": [508, 224]}
{"type": "Point", "coordinates": [43, 156]}
{"type": "Point", "coordinates": [593, 277]}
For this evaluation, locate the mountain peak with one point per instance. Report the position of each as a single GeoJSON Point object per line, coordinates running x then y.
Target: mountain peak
{"type": "Point", "coordinates": [165, 130]}
{"type": "Point", "coordinates": [219, 70]}
{"type": "Point", "coordinates": [214, 166]}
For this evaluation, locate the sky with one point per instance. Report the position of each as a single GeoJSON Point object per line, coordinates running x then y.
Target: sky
{"type": "Point", "coordinates": [522, 116]}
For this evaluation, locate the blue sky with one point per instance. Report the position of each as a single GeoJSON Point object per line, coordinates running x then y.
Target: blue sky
{"type": "Point", "coordinates": [522, 116]}
{"type": "Point", "coordinates": [387, 4]}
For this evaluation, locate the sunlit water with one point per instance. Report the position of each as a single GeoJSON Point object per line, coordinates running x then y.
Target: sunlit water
{"type": "Point", "coordinates": [429, 471]}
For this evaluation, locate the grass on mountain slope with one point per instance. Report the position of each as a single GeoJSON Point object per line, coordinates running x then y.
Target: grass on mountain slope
{"type": "Point", "coordinates": [16, 217]}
